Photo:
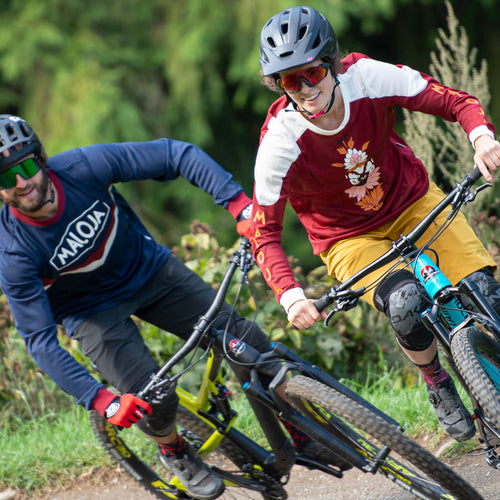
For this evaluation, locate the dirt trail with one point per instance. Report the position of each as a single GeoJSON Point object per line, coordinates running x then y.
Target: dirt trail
{"type": "Point", "coordinates": [303, 485]}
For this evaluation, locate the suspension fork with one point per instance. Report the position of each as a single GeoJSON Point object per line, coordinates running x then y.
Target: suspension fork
{"type": "Point", "coordinates": [283, 449]}
{"type": "Point", "coordinates": [469, 287]}
{"type": "Point", "coordinates": [237, 351]}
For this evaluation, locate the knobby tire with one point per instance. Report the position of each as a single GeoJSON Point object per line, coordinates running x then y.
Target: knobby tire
{"type": "Point", "coordinates": [477, 357]}
{"type": "Point", "coordinates": [138, 456]}
{"type": "Point", "coordinates": [434, 481]}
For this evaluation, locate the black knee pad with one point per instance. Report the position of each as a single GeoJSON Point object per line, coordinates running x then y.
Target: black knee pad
{"type": "Point", "coordinates": [402, 300]}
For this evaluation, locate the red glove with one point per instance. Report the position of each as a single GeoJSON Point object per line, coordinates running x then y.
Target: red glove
{"type": "Point", "coordinates": [243, 221]}
{"type": "Point", "coordinates": [126, 410]}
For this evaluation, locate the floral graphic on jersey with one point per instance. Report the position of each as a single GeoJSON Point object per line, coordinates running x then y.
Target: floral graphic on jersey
{"type": "Point", "coordinates": [362, 174]}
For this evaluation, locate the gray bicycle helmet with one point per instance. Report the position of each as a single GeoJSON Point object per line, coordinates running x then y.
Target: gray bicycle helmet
{"type": "Point", "coordinates": [294, 37]}
{"type": "Point", "coordinates": [15, 131]}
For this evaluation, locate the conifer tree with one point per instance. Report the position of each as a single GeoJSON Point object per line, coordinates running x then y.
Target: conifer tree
{"type": "Point", "coordinates": [443, 146]}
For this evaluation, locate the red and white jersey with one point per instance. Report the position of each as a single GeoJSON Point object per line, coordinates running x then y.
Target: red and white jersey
{"type": "Point", "coordinates": [345, 182]}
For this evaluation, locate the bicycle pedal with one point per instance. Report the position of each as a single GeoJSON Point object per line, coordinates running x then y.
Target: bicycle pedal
{"type": "Point", "coordinates": [492, 459]}
{"type": "Point", "coordinates": [492, 440]}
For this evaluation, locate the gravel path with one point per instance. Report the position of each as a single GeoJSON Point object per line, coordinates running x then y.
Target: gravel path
{"type": "Point", "coordinates": [303, 485]}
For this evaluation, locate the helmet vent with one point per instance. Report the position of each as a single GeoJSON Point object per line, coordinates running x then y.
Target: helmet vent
{"type": "Point", "coordinates": [25, 130]}
{"type": "Point", "coordinates": [286, 54]}
{"type": "Point", "coordinates": [11, 131]}
{"type": "Point", "coordinates": [317, 41]}
{"type": "Point", "coordinates": [302, 32]}
{"type": "Point", "coordinates": [271, 42]}
{"type": "Point", "coordinates": [284, 28]}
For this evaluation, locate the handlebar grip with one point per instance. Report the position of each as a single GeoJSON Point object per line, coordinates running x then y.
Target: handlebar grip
{"type": "Point", "coordinates": [474, 175]}
{"type": "Point", "coordinates": [323, 302]}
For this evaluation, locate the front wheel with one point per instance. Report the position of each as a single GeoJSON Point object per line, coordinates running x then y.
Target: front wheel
{"type": "Point", "coordinates": [138, 456]}
{"type": "Point", "coordinates": [477, 357]}
{"type": "Point", "coordinates": [367, 433]}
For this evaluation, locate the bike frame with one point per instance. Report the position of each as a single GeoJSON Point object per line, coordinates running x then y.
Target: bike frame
{"type": "Point", "coordinates": [447, 314]}
{"type": "Point", "coordinates": [257, 468]}
{"type": "Point", "coordinates": [447, 299]}
{"type": "Point", "coordinates": [448, 308]}
{"type": "Point", "coordinates": [266, 405]}
{"type": "Point", "coordinates": [278, 461]}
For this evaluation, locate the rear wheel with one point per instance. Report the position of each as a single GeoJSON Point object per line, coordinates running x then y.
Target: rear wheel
{"type": "Point", "coordinates": [368, 433]}
{"type": "Point", "coordinates": [138, 456]}
{"type": "Point", "coordinates": [477, 357]}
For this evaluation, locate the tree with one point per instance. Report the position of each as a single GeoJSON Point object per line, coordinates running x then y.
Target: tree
{"type": "Point", "coordinates": [86, 72]}
{"type": "Point", "coordinates": [443, 146]}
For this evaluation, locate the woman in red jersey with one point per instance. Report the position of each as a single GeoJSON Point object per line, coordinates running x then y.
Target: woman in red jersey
{"type": "Point", "coordinates": [329, 148]}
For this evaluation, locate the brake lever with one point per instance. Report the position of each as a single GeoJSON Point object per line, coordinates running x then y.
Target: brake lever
{"type": "Point", "coordinates": [342, 305]}
{"type": "Point", "coordinates": [465, 196]}
{"type": "Point", "coordinates": [480, 188]}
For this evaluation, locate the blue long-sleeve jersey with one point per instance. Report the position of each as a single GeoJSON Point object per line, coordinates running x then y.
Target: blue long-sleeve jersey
{"type": "Point", "coordinates": [95, 252]}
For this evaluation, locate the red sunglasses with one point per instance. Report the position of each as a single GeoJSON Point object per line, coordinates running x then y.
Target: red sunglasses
{"type": "Point", "coordinates": [311, 76]}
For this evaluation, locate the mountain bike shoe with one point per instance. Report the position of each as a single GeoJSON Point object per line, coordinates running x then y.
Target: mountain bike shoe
{"type": "Point", "coordinates": [315, 451]}
{"type": "Point", "coordinates": [196, 476]}
{"type": "Point", "coordinates": [451, 413]}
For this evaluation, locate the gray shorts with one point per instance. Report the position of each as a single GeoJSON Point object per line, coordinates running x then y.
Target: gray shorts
{"type": "Point", "coordinates": [172, 300]}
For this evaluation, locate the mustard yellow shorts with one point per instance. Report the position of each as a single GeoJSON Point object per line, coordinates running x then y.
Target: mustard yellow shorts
{"type": "Point", "coordinates": [460, 251]}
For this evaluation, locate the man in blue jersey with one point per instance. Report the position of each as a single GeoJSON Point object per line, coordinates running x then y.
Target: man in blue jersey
{"type": "Point", "coordinates": [72, 252]}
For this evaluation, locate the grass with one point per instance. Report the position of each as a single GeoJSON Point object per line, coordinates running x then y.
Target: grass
{"type": "Point", "coordinates": [57, 448]}
{"type": "Point", "coordinates": [411, 408]}
{"type": "Point", "coordinates": [49, 451]}
{"type": "Point", "coordinates": [409, 405]}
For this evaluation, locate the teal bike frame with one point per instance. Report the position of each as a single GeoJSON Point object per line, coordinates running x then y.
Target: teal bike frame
{"type": "Point", "coordinates": [446, 314]}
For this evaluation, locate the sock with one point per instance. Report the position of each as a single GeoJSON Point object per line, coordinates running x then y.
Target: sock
{"type": "Point", "coordinates": [433, 372]}
{"type": "Point", "coordinates": [175, 448]}
{"type": "Point", "coordinates": [298, 437]}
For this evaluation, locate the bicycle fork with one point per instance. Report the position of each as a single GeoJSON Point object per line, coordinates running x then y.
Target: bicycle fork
{"type": "Point", "coordinates": [278, 463]}
{"type": "Point", "coordinates": [449, 306]}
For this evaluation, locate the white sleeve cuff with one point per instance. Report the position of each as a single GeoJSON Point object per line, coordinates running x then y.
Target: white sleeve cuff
{"type": "Point", "coordinates": [291, 296]}
{"type": "Point", "coordinates": [479, 131]}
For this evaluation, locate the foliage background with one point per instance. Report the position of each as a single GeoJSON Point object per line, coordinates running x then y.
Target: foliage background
{"type": "Point", "coordinates": [121, 70]}
{"type": "Point", "coordinates": [86, 72]}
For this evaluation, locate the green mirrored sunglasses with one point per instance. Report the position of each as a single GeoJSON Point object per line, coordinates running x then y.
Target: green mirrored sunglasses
{"type": "Point", "coordinates": [26, 169]}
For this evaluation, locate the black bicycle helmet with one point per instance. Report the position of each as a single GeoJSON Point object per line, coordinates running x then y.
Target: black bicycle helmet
{"type": "Point", "coordinates": [15, 131]}
{"type": "Point", "coordinates": [294, 37]}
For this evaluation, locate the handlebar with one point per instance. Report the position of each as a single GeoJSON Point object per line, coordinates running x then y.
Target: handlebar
{"type": "Point", "coordinates": [239, 259]}
{"type": "Point", "coordinates": [342, 293]}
